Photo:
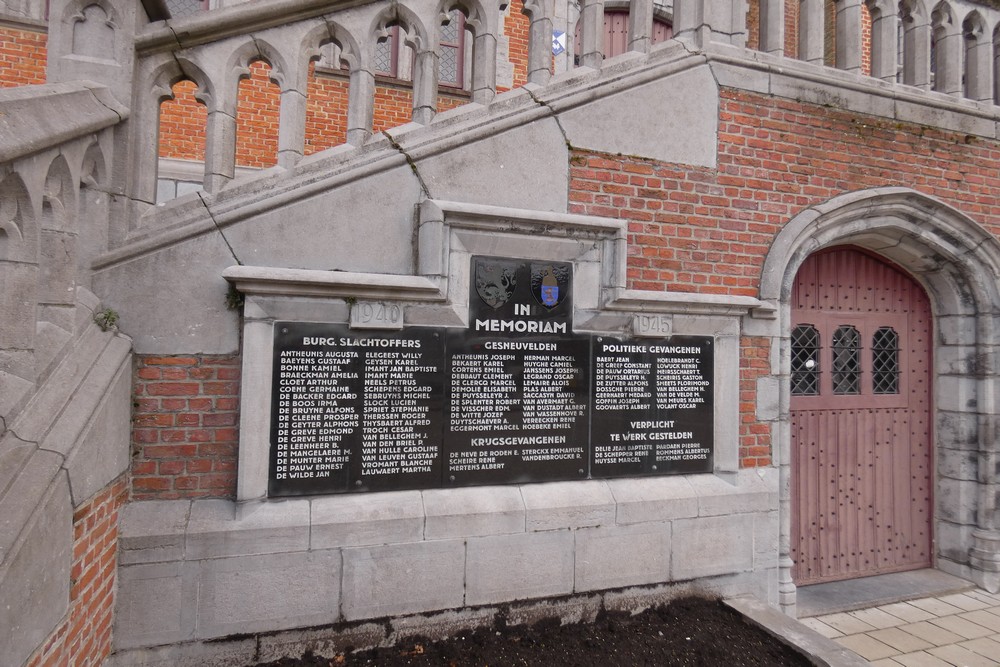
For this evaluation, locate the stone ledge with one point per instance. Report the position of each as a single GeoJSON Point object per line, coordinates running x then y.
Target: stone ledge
{"type": "Point", "coordinates": [34, 118]}
{"type": "Point", "coordinates": [392, 554]}
{"type": "Point", "coordinates": [167, 530]}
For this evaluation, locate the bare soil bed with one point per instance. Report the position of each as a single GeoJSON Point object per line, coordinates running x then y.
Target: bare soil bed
{"type": "Point", "coordinates": [688, 631]}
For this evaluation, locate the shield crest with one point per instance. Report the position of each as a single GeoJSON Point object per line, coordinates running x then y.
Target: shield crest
{"type": "Point", "coordinates": [495, 282]}
{"type": "Point", "coordinates": [549, 284]}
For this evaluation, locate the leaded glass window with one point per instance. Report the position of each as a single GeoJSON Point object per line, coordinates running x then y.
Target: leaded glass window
{"type": "Point", "coordinates": [180, 8]}
{"type": "Point", "coordinates": [846, 371]}
{"type": "Point", "coordinates": [450, 64]}
{"type": "Point", "coordinates": [385, 53]}
{"type": "Point", "coordinates": [805, 360]}
{"type": "Point", "coordinates": [885, 361]}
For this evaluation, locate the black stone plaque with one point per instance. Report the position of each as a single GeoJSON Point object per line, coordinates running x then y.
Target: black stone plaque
{"type": "Point", "coordinates": [652, 406]}
{"type": "Point", "coordinates": [354, 412]}
{"type": "Point", "coordinates": [517, 409]}
{"type": "Point", "coordinates": [517, 397]}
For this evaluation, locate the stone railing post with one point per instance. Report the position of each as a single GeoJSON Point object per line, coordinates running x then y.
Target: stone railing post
{"type": "Point", "coordinates": [772, 27]}
{"type": "Point", "coordinates": [291, 127]}
{"type": "Point", "coordinates": [592, 33]}
{"type": "Point", "coordinates": [885, 31]}
{"type": "Point", "coordinates": [360, 105]}
{"type": "Point", "coordinates": [540, 14]}
{"type": "Point", "coordinates": [640, 25]}
{"type": "Point", "coordinates": [947, 55]}
{"type": "Point", "coordinates": [811, 31]}
{"type": "Point", "coordinates": [425, 85]}
{"type": "Point", "coordinates": [979, 68]}
{"type": "Point", "coordinates": [702, 21]}
{"type": "Point", "coordinates": [916, 48]}
{"type": "Point", "coordinates": [848, 35]}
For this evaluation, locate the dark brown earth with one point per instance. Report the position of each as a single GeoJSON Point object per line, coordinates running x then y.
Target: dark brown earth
{"type": "Point", "coordinates": [689, 631]}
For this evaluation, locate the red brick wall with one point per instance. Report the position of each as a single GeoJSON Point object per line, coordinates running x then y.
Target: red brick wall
{"type": "Point", "coordinates": [516, 27]}
{"type": "Point", "coordinates": [755, 437]}
{"type": "Point", "coordinates": [258, 107]}
{"type": "Point", "coordinates": [83, 639]}
{"type": "Point", "coordinates": [185, 427]}
{"type": "Point", "coordinates": [326, 112]}
{"type": "Point", "coordinates": [22, 57]}
{"type": "Point", "coordinates": [182, 124]}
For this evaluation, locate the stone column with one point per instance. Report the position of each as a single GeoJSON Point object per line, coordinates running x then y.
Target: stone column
{"type": "Point", "coordinates": [360, 105]}
{"type": "Point", "coordinates": [592, 33]}
{"type": "Point", "coordinates": [848, 35]}
{"type": "Point", "coordinates": [484, 68]}
{"type": "Point", "coordinates": [772, 26]}
{"type": "Point", "coordinates": [811, 31]}
{"type": "Point", "coordinates": [220, 143]}
{"type": "Point", "coordinates": [540, 13]}
{"type": "Point", "coordinates": [885, 35]}
{"type": "Point", "coordinates": [916, 49]}
{"type": "Point", "coordinates": [978, 67]}
{"type": "Point", "coordinates": [291, 127]}
{"type": "Point", "coordinates": [425, 85]}
{"type": "Point", "coordinates": [947, 55]}
{"type": "Point", "coordinates": [640, 25]}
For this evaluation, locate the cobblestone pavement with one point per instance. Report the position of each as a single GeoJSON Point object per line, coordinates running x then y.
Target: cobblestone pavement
{"type": "Point", "coordinates": [961, 629]}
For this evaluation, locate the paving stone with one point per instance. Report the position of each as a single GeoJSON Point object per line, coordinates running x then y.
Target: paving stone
{"type": "Point", "coordinates": [964, 601]}
{"type": "Point", "coordinates": [920, 659]}
{"type": "Point", "coordinates": [983, 618]}
{"type": "Point", "coordinates": [935, 634]}
{"type": "Point", "coordinates": [907, 612]}
{"type": "Point", "coordinates": [902, 641]}
{"type": "Point", "coordinates": [867, 647]}
{"type": "Point", "coordinates": [984, 646]}
{"type": "Point", "coordinates": [885, 662]}
{"type": "Point", "coordinates": [877, 618]}
{"type": "Point", "coordinates": [822, 628]}
{"type": "Point", "coordinates": [936, 607]}
{"type": "Point", "coordinates": [846, 623]}
{"type": "Point", "coordinates": [958, 655]}
{"type": "Point", "coordinates": [962, 626]}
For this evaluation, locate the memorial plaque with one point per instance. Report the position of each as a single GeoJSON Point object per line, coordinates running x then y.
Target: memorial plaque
{"type": "Point", "coordinates": [652, 406]}
{"type": "Point", "coordinates": [518, 379]}
{"type": "Point", "coordinates": [353, 411]}
{"type": "Point", "coordinates": [517, 410]}
{"type": "Point", "coordinates": [516, 397]}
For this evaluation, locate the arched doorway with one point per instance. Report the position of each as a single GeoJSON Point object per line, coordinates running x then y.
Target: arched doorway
{"type": "Point", "coordinates": [956, 260]}
{"type": "Point", "coordinates": [861, 423]}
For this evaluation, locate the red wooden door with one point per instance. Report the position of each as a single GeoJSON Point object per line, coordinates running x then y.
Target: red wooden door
{"type": "Point", "coordinates": [860, 415]}
{"type": "Point", "coordinates": [616, 33]}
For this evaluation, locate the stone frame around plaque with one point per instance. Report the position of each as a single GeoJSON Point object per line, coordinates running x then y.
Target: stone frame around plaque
{"type": "Point", "coordinates": [449, 235]}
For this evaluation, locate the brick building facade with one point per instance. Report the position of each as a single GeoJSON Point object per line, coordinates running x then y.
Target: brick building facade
{"type": "Point", "coordinates": [258, 163]}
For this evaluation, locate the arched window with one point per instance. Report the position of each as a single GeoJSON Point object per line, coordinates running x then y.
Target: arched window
{"type": "Point", "coordinates": [394, 59]}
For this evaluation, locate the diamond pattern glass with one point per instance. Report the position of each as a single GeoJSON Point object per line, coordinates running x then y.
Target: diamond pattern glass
{"type": "Point", "coordinates": [885, 361]}
{"type": "Point", "coordinates": [805, 360]}
{"type": "Point", "coordinates": [846, 361]}
{"type": "Point", "coordinates": [383, 56]}
{"type": "Point", "coordinates": [448, 72]}
{"type": "Point", "coordinates": [180, 8]}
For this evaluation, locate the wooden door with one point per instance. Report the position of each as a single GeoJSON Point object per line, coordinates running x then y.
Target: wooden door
{"type": "Point", "coordinates": [861, 419]}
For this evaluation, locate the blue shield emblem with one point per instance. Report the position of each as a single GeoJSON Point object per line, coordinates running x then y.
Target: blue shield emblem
{"type": "Point", "coordinates": [550, 283]}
